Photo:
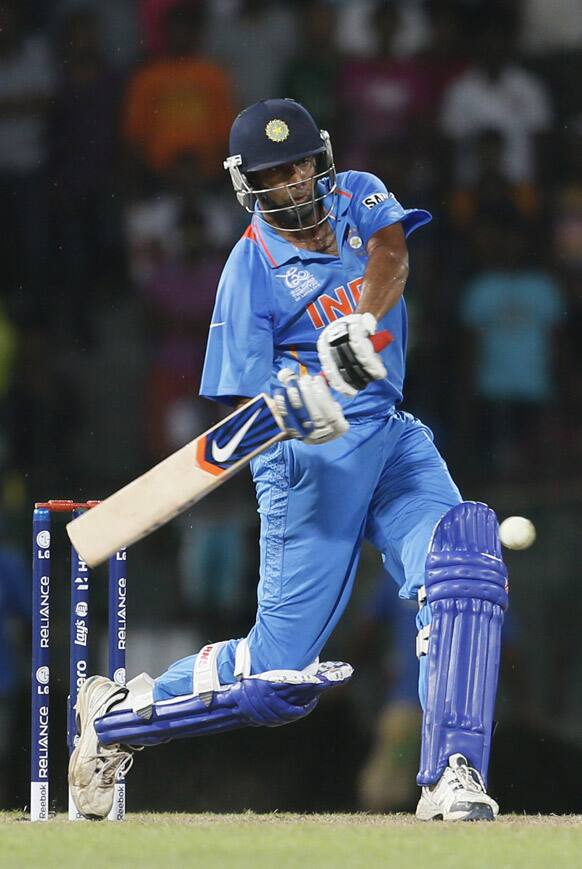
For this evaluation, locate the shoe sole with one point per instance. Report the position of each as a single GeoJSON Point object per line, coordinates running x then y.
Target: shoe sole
{"type": "Point", "coordinates": [478, 812]}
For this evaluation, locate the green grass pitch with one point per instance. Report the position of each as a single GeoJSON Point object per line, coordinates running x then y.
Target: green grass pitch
{"type": "Point", "coordinates": [285, 841]}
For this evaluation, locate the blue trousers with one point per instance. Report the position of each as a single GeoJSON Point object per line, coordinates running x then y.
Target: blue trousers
{"type": "Point", "coordinates": [384, 481]}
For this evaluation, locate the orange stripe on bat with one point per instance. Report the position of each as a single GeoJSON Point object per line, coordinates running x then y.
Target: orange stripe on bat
{"type": "Point", "coordinates": [215, 470]}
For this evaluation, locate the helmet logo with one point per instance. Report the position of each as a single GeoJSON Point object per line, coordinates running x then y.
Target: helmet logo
{"type": "Point", "coordinates": [277, 130]}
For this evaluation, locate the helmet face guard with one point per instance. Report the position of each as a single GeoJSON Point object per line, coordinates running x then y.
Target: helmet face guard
{"type": "Point", "coordinates": [294, 216]}
{"type": "Point", "coordinates": [274, 133]}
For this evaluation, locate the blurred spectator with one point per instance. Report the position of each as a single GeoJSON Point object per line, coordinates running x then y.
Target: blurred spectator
{"type": "Point", "coordinates": [356, 27]}
{"type": "Point", "coordinates": [551, 39]}
{"type": "Point", "coordinates": [255, 42]}
{"type": "Point", "coordinates": [152, 218]}
{"type": "Point", "coordinates": [178, 303]}
{"type": "Point", "coordinates": [14, 608]}
{"type": "Point", "coordinates": [490, 191]}
{"type": "Point", "coordinates": [551, 28]}
{"type": "Point", "coordinates": [495, 93]}
{"type": "Point", "coordinates": [45, 412]}
{"type": "Point", "coordinates": [512, 309]}
{"type": "Point", "coordinates": [152, 14]}
{"type": "Point", "coordinates": [310, 75]}
{"type": "Point", "coordinates": [381, 96]}
{"type": "Point", "coordinates": [387, 779]}
{"type": "Point", "coordinates": [84, 127]}
{"type": "Point", "coordinates": [26, 86]}
{"type": "Point", "coordinates": [566, 214]}
{"type": "Point", "coordinates": [444, 55]}
{"type": "Point", "coordinates": [117, 22]}
{"type": "Point", "coordinates": [567, 202]}
{"type": "Point", "coordinates": [180, 102]}
{"type": "Point", "coordinates": [216, 550]}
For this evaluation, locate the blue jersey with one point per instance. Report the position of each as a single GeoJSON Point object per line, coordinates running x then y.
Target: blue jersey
{"type": "Point", "coordinates": [274, 299]}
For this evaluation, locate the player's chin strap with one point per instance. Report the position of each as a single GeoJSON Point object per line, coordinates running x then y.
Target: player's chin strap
{"type": "Point", "coordinates": [267, 699]}
{"type": "Point", "coordinates": [464, 600]}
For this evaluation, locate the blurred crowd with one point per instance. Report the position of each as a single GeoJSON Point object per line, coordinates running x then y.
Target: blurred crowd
{"type": "Point", "coordinates": [116, 217]}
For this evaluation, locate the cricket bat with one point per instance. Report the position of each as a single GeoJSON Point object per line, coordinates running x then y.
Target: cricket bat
{"type": "Point", "coordinates": [184, 478]}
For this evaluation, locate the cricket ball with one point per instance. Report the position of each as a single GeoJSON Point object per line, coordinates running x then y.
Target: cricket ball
{"type": "Point", "coordinates": [517, 532]}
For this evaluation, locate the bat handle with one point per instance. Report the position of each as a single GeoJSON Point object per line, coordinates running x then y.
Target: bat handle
{"type": "Point", "coordinates": [381, 340]}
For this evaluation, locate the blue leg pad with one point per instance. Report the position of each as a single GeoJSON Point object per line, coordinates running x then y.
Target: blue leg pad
{"type": "Point", "coordinates": [265, 700]}
{"type": "Point", "coordinates": [466, 591]}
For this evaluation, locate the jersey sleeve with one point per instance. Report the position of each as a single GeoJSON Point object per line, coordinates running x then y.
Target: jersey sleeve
{"type": "Point", "coordinates": [374, 207]}
{"type": "Point", "coordinates": [239, 352]}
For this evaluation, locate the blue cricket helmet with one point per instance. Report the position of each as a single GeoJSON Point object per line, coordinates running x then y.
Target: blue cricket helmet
{"type": "Point", "coordinates": [273, 132]}
{"type": "Point", "coordinates": [270, 133]}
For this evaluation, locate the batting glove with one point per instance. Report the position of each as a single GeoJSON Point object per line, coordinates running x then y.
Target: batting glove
{"type": "Point", "coordinates": [347, 357]}
{"type": "Point", "coordinates": [308, 409]}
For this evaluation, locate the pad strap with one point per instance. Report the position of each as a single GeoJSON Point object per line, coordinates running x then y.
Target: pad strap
{"type": "Point", "coordinates": [205, 675]}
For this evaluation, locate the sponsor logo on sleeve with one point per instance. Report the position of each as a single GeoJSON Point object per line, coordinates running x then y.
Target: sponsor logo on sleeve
{"type": "Point", "coordinates": [375, 199]}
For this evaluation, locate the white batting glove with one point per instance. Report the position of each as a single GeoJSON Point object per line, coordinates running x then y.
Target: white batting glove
{"type": "Point", "coordinates": [308, 409]}
{"type": "Point", "coordinates": [347, 357]}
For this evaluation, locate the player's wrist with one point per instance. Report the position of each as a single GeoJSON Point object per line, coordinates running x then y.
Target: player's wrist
{"type": "Point", "coordinates": [369, 321]}
{"type": "Point", "coordinates": [347, 356]}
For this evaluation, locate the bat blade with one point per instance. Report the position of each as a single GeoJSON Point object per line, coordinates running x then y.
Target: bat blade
{"type": "Point", "coordinates": [176, 483]}
{"type": "Point", "coordinates": [182, 479]}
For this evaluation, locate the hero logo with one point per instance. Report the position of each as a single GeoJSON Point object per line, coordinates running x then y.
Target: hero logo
{"type": "Point", "coordinates": [299, 281]}
{"type": "Point", "coordinates": [81, 673]}
{"type": "Point", "coordinates": [375, 199]}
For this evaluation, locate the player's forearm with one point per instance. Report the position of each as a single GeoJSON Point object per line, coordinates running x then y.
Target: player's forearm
{"type": "Point", "coordinates": [384, 281]}
{"type": "Point", "coordinates": [386, 271]}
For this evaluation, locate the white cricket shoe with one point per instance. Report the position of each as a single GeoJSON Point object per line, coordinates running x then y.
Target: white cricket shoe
{"type": "Point", "coordinates": [459, 795]}
{"type": "Point", "coordinates": [93, 766]}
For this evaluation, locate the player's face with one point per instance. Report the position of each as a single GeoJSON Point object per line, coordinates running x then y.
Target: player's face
{"type": "Point", "coordinates": [288, 191]}
{"type": "Point", "coordinates": [291, 183]}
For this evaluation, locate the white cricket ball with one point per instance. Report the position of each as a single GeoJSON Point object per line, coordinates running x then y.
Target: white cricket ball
{"type": "Point", "coordinates": [517, 532]}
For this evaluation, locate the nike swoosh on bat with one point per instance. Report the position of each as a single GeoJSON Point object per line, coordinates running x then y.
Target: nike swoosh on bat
{"type": "Point", "coordinates": [223, 454]}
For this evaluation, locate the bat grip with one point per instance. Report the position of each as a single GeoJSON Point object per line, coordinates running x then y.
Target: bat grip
{"type": "Point", "coordinates": [381, 340]}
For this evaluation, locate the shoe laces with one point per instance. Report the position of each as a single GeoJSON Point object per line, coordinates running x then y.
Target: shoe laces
{"type": "Point", "coordinates": [109, 767]}
{"type": "Point", "coordinates": [467, 778]}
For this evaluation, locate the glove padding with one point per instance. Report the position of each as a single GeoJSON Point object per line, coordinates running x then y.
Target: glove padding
{"type": "Point", "coordinates": [308, 409]}
{"type": "Point", "coordinates": [347, 357]}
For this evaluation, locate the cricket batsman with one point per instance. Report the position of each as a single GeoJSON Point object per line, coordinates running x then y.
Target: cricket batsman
{"type": "Point", "coordinates": [322, 266]}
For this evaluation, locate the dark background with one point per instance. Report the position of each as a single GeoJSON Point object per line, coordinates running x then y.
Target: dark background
{"type": "Point", "coordinates": [115, 220]}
